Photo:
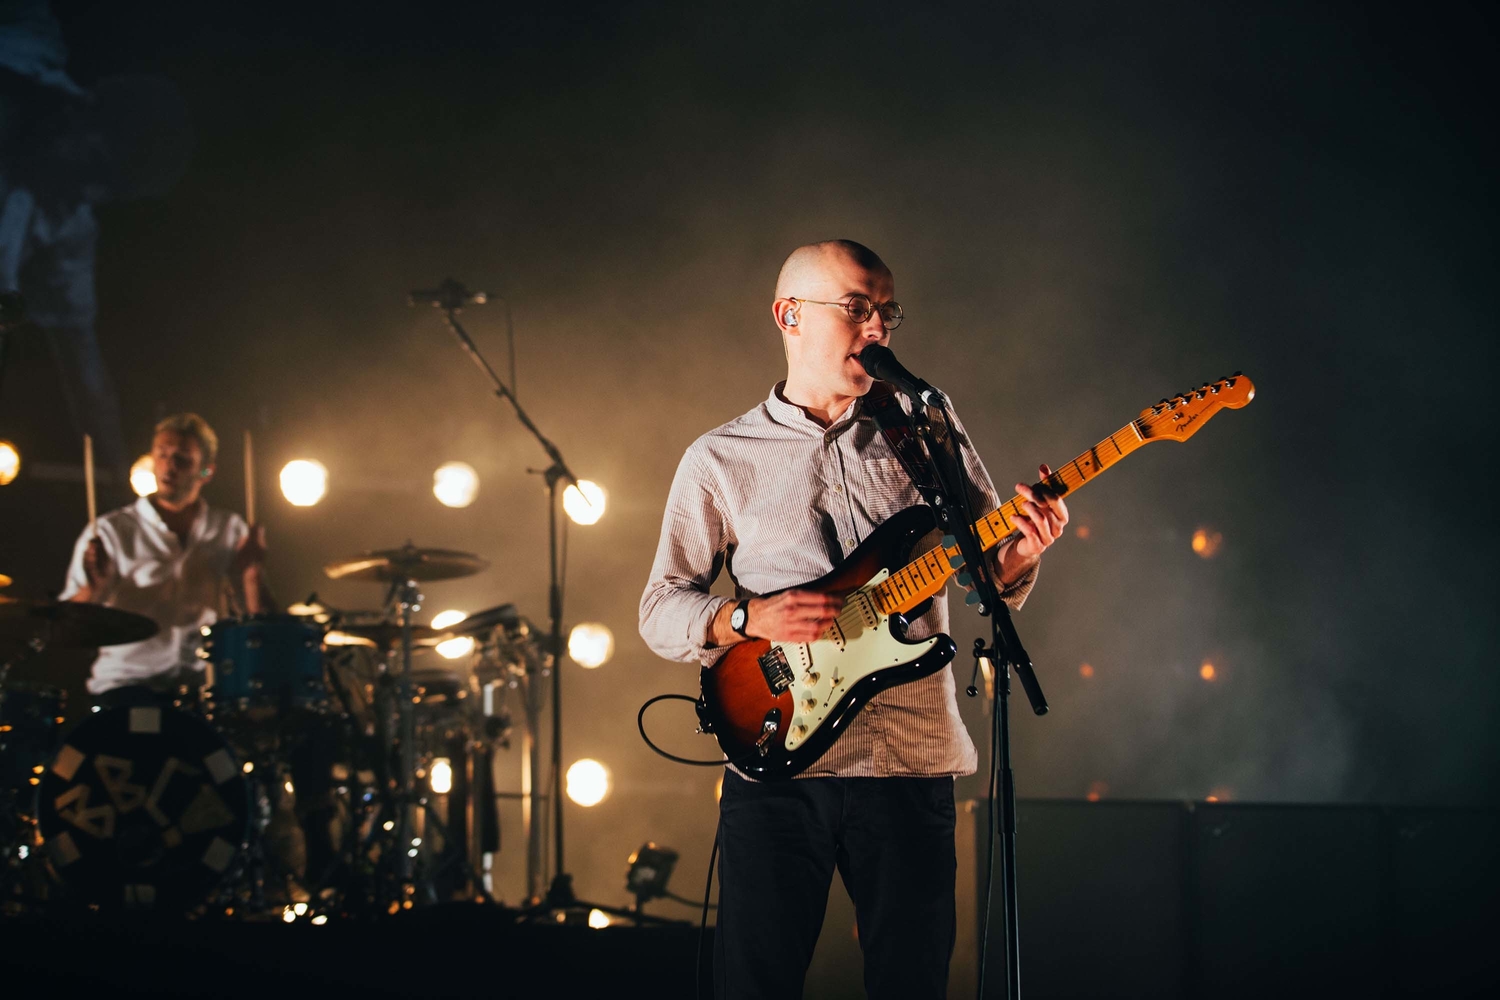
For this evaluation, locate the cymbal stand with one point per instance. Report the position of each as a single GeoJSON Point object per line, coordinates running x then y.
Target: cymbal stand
{"type": "Point", "coordinates": [408, 600]}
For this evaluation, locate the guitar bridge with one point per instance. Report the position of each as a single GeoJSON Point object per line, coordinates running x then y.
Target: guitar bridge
{"type": "Point", "coordinates": [776, 670]}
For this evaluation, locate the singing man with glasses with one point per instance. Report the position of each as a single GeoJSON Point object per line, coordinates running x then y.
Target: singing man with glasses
{"type": "Point", "coordinates": [780, 496]}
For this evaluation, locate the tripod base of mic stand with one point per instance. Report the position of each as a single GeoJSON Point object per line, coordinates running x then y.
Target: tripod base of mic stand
{"type": "Point", "coordinates": [560, 900]}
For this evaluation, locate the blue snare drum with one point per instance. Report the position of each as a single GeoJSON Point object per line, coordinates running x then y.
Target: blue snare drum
{"type": "Point", "coordinates": [266, 662]}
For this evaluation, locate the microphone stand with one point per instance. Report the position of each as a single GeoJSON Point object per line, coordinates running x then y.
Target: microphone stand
{"type": "Point", "coordinates": [955, 515]}
{"type": "Point", "coordinates": [559, 897]}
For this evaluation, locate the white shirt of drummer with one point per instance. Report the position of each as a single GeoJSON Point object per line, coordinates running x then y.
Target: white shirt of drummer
{"type": "Point", "coordinates": [179, 587]}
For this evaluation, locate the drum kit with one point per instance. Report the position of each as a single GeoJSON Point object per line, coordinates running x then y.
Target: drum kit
{"type": "Point", "coordinates": [325, 765]}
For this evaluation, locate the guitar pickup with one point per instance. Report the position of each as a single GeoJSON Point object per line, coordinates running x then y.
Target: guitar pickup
{"type": "Point", "coordinates": [776, 670]}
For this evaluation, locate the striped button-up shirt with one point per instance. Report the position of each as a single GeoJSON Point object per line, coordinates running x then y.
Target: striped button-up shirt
{"type": "Point", "coordinates": [779, 500]}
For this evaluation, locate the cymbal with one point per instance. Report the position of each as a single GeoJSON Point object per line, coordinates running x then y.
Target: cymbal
{"type": "Point", "coordinates": [383, 635]}
{"type": "Point", "coordinates": [72, 625]}
{"type": "Point", "coordinates": [482, 621]}
{"type": "Point", "coordinates": [406, 563]}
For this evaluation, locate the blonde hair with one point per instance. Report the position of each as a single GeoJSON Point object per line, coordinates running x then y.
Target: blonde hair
{"type": "Point", "coordinates": [193, 426]}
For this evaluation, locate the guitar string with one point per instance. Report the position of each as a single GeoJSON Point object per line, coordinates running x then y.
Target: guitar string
{"type": "Point", "coordinates": [884, 592]}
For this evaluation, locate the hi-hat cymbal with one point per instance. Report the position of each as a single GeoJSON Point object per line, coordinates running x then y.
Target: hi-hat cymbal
{"type": "Point", "coordinates": [383, 635]}
{"type": "Point", "coordinates": [406, 563]}
{"type": "Point", "coordinates": [72, 625]}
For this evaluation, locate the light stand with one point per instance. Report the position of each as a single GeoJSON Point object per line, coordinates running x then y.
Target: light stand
{"type": "Point", "coordinates": [956, 517]}
{"type": "Point", "coordinates": [451, 297]}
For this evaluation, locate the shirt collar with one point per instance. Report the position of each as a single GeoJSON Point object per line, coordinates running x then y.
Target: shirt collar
{"type": "Point", "coordinates": [147, 510]}
{"type": "Point", "coordinates": [794, 416]}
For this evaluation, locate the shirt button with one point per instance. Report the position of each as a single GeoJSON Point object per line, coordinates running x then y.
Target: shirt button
{"type": "Point", "coordinates": [837, 488]}
{"type": "Point", "coordinates": [849, 542]}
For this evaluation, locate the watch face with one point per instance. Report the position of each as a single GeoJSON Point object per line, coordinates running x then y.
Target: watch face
{"type": "Point", "coordinates": [737, 619]}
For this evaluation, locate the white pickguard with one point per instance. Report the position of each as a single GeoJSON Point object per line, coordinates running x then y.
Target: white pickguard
{"type": "Point", "coordinates": [854, 647]}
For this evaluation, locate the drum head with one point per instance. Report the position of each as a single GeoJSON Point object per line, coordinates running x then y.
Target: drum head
{"type": "Point", "coordinates": [144, 808]}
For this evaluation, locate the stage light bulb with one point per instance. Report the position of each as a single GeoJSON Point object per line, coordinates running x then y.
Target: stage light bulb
{"type": "Point", "coordinates": [445, 618]}
{"type": "Point", "coordinates": [143, 476]}
{"type": "Point", "coordinates": [455, 649]}
{"type": "Point", "coordinates": [598, 919]}
{"type": "Point", "coordinates": [584, 502]}
{"type": "Point", "coordinates": [441, 776]}
{"type": "Point", "coordinates": [1207, 543]}
{"type": "Point", "coordinates": [588, 782]}
{"type": "Point", "coordinates": [10, 463]}
{"type": "Point", "coordinates": [591, 644]}
{"type": "Point", "coordinates": [455, 484]}
{"type": "Point", "coordinates": [304, 482]}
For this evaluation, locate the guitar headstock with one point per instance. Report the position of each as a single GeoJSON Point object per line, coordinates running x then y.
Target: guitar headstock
{"type": "Point", "coordinates": [1179, 418]}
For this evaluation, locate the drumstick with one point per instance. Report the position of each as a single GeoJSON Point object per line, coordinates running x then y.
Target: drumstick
{"type": "Point", "coordinates": [249, 480]}
{"type": "Point", "coordinates": [88, 484]}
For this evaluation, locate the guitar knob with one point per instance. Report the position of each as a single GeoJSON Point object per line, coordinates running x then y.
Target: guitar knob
{"type": "Point", "coordinates": [812, 678]}
{"type": "Point", "coordinates": [810, 704]}
{"type": "Point", "coordinates": [800, 730]}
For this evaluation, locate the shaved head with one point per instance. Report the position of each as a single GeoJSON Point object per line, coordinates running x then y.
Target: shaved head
{"type": "Point", "coordinates": [809, 266]}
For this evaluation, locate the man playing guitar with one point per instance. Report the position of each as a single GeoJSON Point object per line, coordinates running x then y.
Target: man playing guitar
{"type": "Point", "coordinates": [779, 496]}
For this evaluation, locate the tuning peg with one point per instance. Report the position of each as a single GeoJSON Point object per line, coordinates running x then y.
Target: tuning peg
{"type": "Point", "coordinates": [949, 541]}
{"type": "Point", "coordinates": [973, 598]}
{"type": "Point", "coordinates": [956, 562]}
{"type": "Point", "coordinates": [964, 579]}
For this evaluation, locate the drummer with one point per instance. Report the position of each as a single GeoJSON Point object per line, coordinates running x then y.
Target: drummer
{"type": "Point", "coordinates": [173, 558]}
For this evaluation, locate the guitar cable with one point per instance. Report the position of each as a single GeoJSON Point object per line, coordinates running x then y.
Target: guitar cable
{"type": "Point", "coordinates": [713, 856]}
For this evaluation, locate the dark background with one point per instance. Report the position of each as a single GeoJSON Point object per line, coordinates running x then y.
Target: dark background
{"type": "Point", "coordinates": [1086, 207]}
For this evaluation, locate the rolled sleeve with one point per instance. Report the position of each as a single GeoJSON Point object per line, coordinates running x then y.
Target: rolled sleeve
{"type": "Point", "coordinates": [676, 608]}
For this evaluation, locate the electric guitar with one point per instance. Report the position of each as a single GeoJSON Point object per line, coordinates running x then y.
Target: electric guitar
{"type": "Point", "coordinates": [776, 707]}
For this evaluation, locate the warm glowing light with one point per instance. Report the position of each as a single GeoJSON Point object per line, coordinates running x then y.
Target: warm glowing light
{"type": "Point", "coordinates": [441, 776]}
{"type": "Point", "coordinates": [10, 463]}
{"type": "Point", "coordinates": [588, 782]}
{"type": "Point", "coordinates": [289, 789]}
{"type": "Point", "coordinates": [1097, 791]}
{"type": "Point", "coordinates": [719, 790]}
{"type": "Point", "coordinates": [304, 482]}
{"type": "Point", "coordinates": [248, 768]}
{"type": "Point", "coordinates": [598, 919]}
{"type": "Point", "coordinates": [1086, 671]}
{"type": "Point", "coordinates": [320, 920]}
{"type": "Point", "coordinates": [1082, 531]}
{"type": "Point", "coordinates": [315, 611]}
{"type": "Point", "coordinates": [1206, 543]}
{"type": "Point", "coordinates": [143, 476]}
{"type": "Point", "coordinates": [300, 909]}
{"type": "Point", "coordinates": [455, 484]}
{"type": "Point", "coordinates": [443, 619]}
{"type": "Point", "coordinates": [591, 644]}
{"type": "Point", "coordinates": [1207, 672]}
{"type": "Point", "coordinates": [1221, 793]}
{"type": "Point", "coordinates": [587, 506]}
{"type": "Point", "coordinates": [288, 915]}
{"type": "Point", "coordinates": [457, 648]}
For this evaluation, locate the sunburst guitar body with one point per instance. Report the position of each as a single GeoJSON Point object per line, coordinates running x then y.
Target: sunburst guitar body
{"type": "Point", "coordinates": [776, 707]}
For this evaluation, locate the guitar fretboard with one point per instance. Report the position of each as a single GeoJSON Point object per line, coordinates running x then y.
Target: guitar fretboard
{"type": "Point", "coordinates": [928, 574]}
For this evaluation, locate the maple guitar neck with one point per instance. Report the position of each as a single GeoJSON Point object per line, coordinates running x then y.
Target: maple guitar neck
{"type": "Point", "coordinates": [1174, 419]}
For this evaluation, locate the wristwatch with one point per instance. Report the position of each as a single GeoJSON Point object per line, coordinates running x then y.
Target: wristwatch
{"type": "Point", "coordinates": [740, 617]}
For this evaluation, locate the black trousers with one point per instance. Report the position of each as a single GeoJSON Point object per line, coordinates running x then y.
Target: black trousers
{"type": "Point", "coordinates": [892, 841]}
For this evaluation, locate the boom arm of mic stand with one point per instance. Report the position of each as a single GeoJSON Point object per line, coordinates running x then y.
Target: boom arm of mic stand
{"type": "Point", "coordinates": [503, 391]}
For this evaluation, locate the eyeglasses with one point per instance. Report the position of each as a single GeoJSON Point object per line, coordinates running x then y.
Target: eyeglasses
{"type": "Point", "coordinates": [860, 308]}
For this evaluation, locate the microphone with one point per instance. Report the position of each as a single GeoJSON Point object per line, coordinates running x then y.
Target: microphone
{"type": "Point", "coordinates": [449, 295]}
{"type": "Point", "coordinates": [880, 363]}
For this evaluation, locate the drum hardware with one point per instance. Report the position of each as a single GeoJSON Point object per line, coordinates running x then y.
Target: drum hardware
{"type": "Point", "coordinates": [403, 569]}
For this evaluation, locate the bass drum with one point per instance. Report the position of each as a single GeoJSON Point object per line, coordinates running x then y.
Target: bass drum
{"type": "Point", "coordinates": [144, 807]}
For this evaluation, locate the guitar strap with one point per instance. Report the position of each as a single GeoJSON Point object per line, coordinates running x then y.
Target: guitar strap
{"type": "Point", "coordinates": [896, 424]}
